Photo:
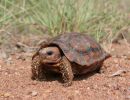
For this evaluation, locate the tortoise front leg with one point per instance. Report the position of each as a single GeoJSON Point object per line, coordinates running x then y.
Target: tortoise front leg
{"type": "Point", "coordinates": [66, 70]}
{"type": "Point", "coordinates": [37, 70]}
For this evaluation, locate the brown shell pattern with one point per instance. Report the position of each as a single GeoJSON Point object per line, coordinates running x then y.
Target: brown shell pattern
{"type": "Point", "coordinates": [80, 48]}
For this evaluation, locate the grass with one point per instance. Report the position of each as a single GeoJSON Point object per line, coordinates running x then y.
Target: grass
{"type": "Point", "coordinates": [99, 18]}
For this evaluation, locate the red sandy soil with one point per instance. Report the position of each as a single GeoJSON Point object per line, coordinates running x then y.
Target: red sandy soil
{"type": "Point", "coordinates": [112, 83]}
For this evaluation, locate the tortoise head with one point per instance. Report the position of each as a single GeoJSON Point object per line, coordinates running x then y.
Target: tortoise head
{"type": "Point", "coordinates": [50, 55]}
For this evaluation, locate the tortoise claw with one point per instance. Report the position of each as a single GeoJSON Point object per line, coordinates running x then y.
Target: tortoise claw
{"type": "Point", "coordinates": [41, 77]}
{"type": "Point", "coordinates": [33, 78]}
{"type": "Point", "coordinates": [67, 84]}
{"type": "Point", "coordinates": [38, 78]}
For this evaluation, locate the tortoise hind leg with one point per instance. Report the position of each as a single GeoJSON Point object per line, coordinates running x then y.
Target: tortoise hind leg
{"type": "Point", "coordinates": [66, 70]}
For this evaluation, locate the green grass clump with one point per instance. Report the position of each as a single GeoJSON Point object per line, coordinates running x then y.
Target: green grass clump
{"type": "Point", "coordinates": [97, 17]}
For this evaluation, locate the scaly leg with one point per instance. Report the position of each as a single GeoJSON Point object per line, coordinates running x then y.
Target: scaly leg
{"type": "Point", "coordinates": [66, 70]}
{"type": "Point", "coordinates": [37, 70]}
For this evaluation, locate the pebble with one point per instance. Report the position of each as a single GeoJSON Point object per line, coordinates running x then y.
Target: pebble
{"type": "Point", "coordinates": [77, 92]}
{"type": "Point", "coordinates": [88, 88]}
{"type": "Point", "coordinates": [6, 95]}
{"type": "Point", "coordinates": [34, 82]}
{"type": "Point", "coordinates": [118, 73]}
{"type": "Point", "coordinates": [84, 80]}
{"type": "Point", "coordinates": [17, 73]}
{"type": "Point", "coordinates": [21, 57]}
{"type": "Point", "coordinates": [6, 73]}
{"type": "Point", "coordinates": [33, 93]}
{"type": "Point", "coordinates": [0, 67]}
{"type": "Point", "coordinates": [116, 61]}
{"type": "Point", "coordinates": [128, 97]}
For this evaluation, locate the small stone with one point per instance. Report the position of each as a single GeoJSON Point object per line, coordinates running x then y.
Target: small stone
{"type": "Point", "coordinates": [118, 73]}
{"type": "Point", "coordinates": [3, 55]}
{"type": "Point", "coordinates": [21, 57]}
{"type": "Point", "coordinates": [17, 73]}
{"type": "Point", "coordinates": [34, 82]}
{"type": "Point", "coordinates": [88, 88]}
{"type": "Point", "coordinates": [6, 95]}
{"type": "Point", "coordinates": [6, 73]}
{"type": "Point", "coordinates": [116, 61]}
{"type": "Point", "coordinates": [48, 91]}
{"type": "Point", "coordinates": [77, 92]}
{"type": "Point", "coordinates": [128, 97]}
{"type": "Point", "coordinates": [112, 49]}
{"type": "Point", "coordinates": [34, 93]}
{"type": "Point", "coordinates": [84, 80]}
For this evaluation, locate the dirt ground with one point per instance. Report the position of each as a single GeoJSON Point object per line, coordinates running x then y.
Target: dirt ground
{"type": "Point", "coordinates": [112, 83]}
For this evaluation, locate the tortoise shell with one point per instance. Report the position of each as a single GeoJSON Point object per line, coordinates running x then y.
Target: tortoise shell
{"type": "Point", "coordinates": [79, 48]}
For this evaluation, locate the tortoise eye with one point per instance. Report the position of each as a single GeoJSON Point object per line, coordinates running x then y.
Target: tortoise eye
{"type": "Point", "coordinates": [49, 53]}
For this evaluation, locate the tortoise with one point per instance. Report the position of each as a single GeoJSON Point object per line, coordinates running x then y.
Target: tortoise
{"type": "Point", "coordinates": [68, 54]}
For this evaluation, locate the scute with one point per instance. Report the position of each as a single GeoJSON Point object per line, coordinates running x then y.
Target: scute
{"type": "Point", "coordinates": [80, 48]}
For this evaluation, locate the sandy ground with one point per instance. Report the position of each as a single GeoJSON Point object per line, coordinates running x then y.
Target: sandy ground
{"type": "Point", "coordinates": [112, 83]}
